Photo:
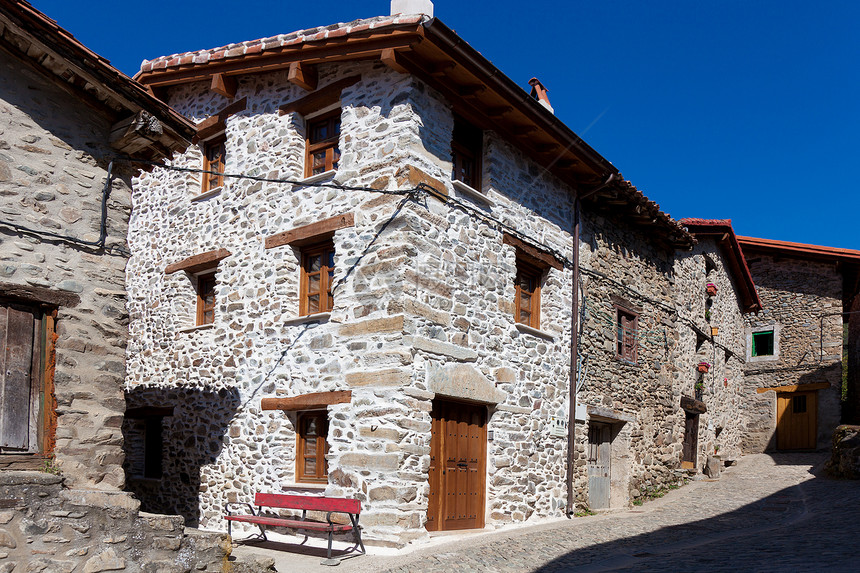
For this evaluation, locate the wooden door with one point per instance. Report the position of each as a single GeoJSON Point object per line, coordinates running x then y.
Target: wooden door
{"type": "Point", "coordinates": [599, 465]}
{"type": "Point", "coordinates": [458, 451]}
{"type": "Point", "coordinates": [691, 441]}
{"type": "Point", "coordinates": [20, 330]}
{"type": "Point", "coordinates": [797, 421]}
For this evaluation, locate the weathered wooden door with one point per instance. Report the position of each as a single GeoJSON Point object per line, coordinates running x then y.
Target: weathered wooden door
{"type": "Point", "coordinates": [599, 466]}
{"type": "Point", "coordinates": [691, 441]}
{"type": "Point", "coordinates": [19, 374]}
{"type": "Point", "coordinates": [796, 426]}
{"type": "Point", "coordinates": [458, 447]}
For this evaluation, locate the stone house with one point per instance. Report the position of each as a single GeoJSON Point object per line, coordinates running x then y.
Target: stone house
{"type": "Point", "coordinates": [360, 282]}
{"type": "Point", "coordinates": [794, 346]}
{"type": "Point", "coordinates": [66, 117]}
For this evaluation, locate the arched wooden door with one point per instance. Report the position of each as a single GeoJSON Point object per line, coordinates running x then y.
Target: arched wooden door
{"type": "Point", "coordinates": [458, 451]}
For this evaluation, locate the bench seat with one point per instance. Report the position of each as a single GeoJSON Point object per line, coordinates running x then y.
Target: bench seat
{"type": "Point", "coordinates": [291, 523]}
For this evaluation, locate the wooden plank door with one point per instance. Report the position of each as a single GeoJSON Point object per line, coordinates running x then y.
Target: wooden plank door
{"type": "Point", "coordinates": [797, 420]}
{"type": "Point", "coordinates": [19, 371]}
{"type": "Point", "coordinates": [599, 465]}
{"type": "Point", "coordinates": [691, 441]}
{"type": "Point", "coordinates": [458, 447]}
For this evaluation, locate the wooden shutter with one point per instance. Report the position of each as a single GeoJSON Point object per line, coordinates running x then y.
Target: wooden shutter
{"type": "Point", "coordinates": [19, 373]}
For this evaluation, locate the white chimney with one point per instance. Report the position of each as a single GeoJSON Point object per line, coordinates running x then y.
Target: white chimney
{"type": "Point", "coordinates": [412, 7]}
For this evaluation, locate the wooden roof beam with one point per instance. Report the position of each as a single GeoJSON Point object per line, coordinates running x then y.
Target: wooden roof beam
{"type": "Point", "coordinates": [224, 85]}
{"type": "Point", "coordinates": [303, 75]}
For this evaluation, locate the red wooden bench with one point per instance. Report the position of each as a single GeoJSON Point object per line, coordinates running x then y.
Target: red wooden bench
{"type": "Point", "coordinates": [305, 503]}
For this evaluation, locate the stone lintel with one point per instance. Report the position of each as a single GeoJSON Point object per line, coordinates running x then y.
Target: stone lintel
{"type": "Point", "coordinates": [314, 232]}
{"type": "Point", "coordinates": [462, 381]}
{"type": "Point", "coordinates": [382, 325]}
{"type": "Point", "coordinates": [609, 414]}
{"type": "Point", "coordinates": [197, 263]}
{"type": "Point", "coordinates": [441, 348]}
{"type": "Point", "coordinates": [692, 405]}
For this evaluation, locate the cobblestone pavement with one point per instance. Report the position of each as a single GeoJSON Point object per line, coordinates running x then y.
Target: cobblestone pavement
{"type": "Point", "coordinates": [768, 513]}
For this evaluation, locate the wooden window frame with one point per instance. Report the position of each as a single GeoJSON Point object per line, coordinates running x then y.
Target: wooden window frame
{"type": "Point", "coordinates": [330, 145]}
{"type": "Point", "coordinates": [325, 303]}
{"type": "Point", "coordinates": [204, 280]}
{"type": "Point", "coordinates": [623, 351]}
{"type": "Point", "coordinates": [320, 474]}
{"type": "Point", "coordinates": [527, 270]}
{"type": "Point", "coordinates": [216, 163]}
{"type": "Point", "coordinates": [466, 150]}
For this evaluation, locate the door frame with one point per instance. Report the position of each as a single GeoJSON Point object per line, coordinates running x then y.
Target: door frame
{"type": "Point", "coordinates": [438, 491]}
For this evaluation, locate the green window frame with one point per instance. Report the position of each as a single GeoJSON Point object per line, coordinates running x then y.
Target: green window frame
{"type": "Point", "coordinates": [762, 343]}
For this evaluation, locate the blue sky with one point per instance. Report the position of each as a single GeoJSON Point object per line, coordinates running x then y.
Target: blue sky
{"type": "Point", "coordinates": [747, 110]}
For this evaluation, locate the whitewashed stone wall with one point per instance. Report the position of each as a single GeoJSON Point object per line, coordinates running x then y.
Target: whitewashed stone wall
{"type": "Point", "coordinates": [723, 387]}
{"type": "Point", "coordinates": [804, 298]}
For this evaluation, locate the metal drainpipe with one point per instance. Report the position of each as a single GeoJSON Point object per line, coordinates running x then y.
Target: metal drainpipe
{"type": "Point", "coordinates": [574, 357]}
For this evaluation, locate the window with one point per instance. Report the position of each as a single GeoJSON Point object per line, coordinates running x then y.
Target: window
{"type": "Point", "coordinates": [26, 398]}
{"type": "Point", "coordinates": [214, 157]}
{"type": "Point", "coordinates": [762, 343]}
{"type": "Point", "coordinates": [311, 465]}
{"type": "Point", "coordinates": [527, 302]}
{"type": "Point", "coordinates": [206, 298]}
{"type": "Point", "coordinates": [466, 153]}
{"type": "Point", "coordinates": [323, 144]}
{"type": "Point", "coordinates": [798, 404]}
{"type": "Point", "coordinates": [316, 280]}
{"type": "Point", "coordinates": [627, 334]}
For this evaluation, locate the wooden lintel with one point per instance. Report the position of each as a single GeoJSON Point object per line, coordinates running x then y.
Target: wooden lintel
{"type": "Point", "coordinates": [795, 388]}
{"type": "Point", "coordinates": [217, 123]}
{"type": "Point", "coordinates": [40, 295]}
{"type": "Point", "coordinates": [224, 85]}
{"type": "Point", "coordinates": [197, 263]}
{"type": "Point", "coordinates": [389, 58]}
{"type": "Point", "coordinates": [313, 232]}
{"type": "Point", "coordinates": [693, 406]}
{"type": "Point", "coordinates": [314, 401]}
{"type": "Point", "coordinates": [319, 99]}
{"type": "Point", "coordinates": [303, 75]}
{"type": "Point", "coordinates": [539, 257]}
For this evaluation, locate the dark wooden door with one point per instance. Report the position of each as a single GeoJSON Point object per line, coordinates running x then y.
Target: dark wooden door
{"type": "Point", "coordinates": [458, 451]}
{"type": "Point", "coordinates": [19, 373]}
{"type": "Point", "coordinates": [599, 466]}
{"type": "Point", "coordinates": [691, 441]}
{"type": "Point", "coordinates": [797, 421]}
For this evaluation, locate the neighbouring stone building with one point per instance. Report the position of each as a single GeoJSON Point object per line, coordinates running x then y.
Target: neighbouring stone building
{"type": "Point", "coordinates": [66, 116]}
{"type": "Point", "coordinates": [794, 346]}
{"type": "Point", "coordinates": [361, 280]}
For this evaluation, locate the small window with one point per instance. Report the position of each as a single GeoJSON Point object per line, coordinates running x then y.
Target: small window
{"type": "Point", "coordinates": [214, 158]}
{"type": "Point", "coordinates": [317, 278]}
{"type": "Point", "coordinates": [527, 303]}
{"type": "Point", "coordinates": [153, 447]}
{"type": "Point", "coordinates": [206, 298]}
{"type": "Point", "coordinates": [323, 137]}
{"type": "Point", "coordinates": [762, 343]}
{"type": "Point", "coordinates": [311, 465]}
{"type": "Point", "coordinates": [466, 153]}
{"type": "Point", "coordinates": [798, 405]}
{"type": "Point", "coordinates": [627, 334]}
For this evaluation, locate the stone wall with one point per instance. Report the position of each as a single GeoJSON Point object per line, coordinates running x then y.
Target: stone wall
{"type": "Point", "coordinates": [804, 300]}
{"type": "Point", "coordinates": [53, 161]}
{"type": "Point", "coordinates": [44, 526]}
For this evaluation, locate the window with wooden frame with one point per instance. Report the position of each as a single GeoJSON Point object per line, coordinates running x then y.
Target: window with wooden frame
{"type": "Point", "coordinates": [627, 334]}
{"type": "Point", "coordinates": [466, 153]}
{"type": "Point", "coordinates": [317, 276]}
{"type": "Point", "coordinates": [323, 139]}
{"type": "Point", "coordinates": [527, 302]}
{"type": "Point", "coordinates": [214, 159]}
{"type": "Point", "coordinates": [27, 404]}
{"type": "Point", "coordinates": [205, 298]}
{"type": "Point", "coordinates": [312, 447]}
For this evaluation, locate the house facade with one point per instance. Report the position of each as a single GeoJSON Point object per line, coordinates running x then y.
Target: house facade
{"type": "Point", "coordinates": [360, 282]}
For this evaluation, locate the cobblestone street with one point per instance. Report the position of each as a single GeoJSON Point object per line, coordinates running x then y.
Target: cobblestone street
{"type": "Point", "coordinates": [768, 513]}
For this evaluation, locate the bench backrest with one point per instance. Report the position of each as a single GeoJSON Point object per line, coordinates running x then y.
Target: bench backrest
{"type": "Point", "coordinates": [308, 502]}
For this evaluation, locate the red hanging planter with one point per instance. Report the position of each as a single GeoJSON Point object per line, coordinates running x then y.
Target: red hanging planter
{"type": "Point", "coordinates": [712, 289]}
{"type": "Point", "coordinates": [703, 367]}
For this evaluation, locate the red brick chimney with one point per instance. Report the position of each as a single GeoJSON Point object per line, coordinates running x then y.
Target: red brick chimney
{"type": "Point", "coordinates": [539, 93]}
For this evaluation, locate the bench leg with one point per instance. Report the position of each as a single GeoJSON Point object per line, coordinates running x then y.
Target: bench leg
{"type": "Point", "coordinates": [356, 531]}
{"type": "Point", "coordinates": [329, 560]}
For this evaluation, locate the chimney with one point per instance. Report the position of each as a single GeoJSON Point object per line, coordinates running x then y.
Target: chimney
{"type": "Point", "coordinates": [539, 93]}
{"type": "Point", "coordinates": [412, 7]}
